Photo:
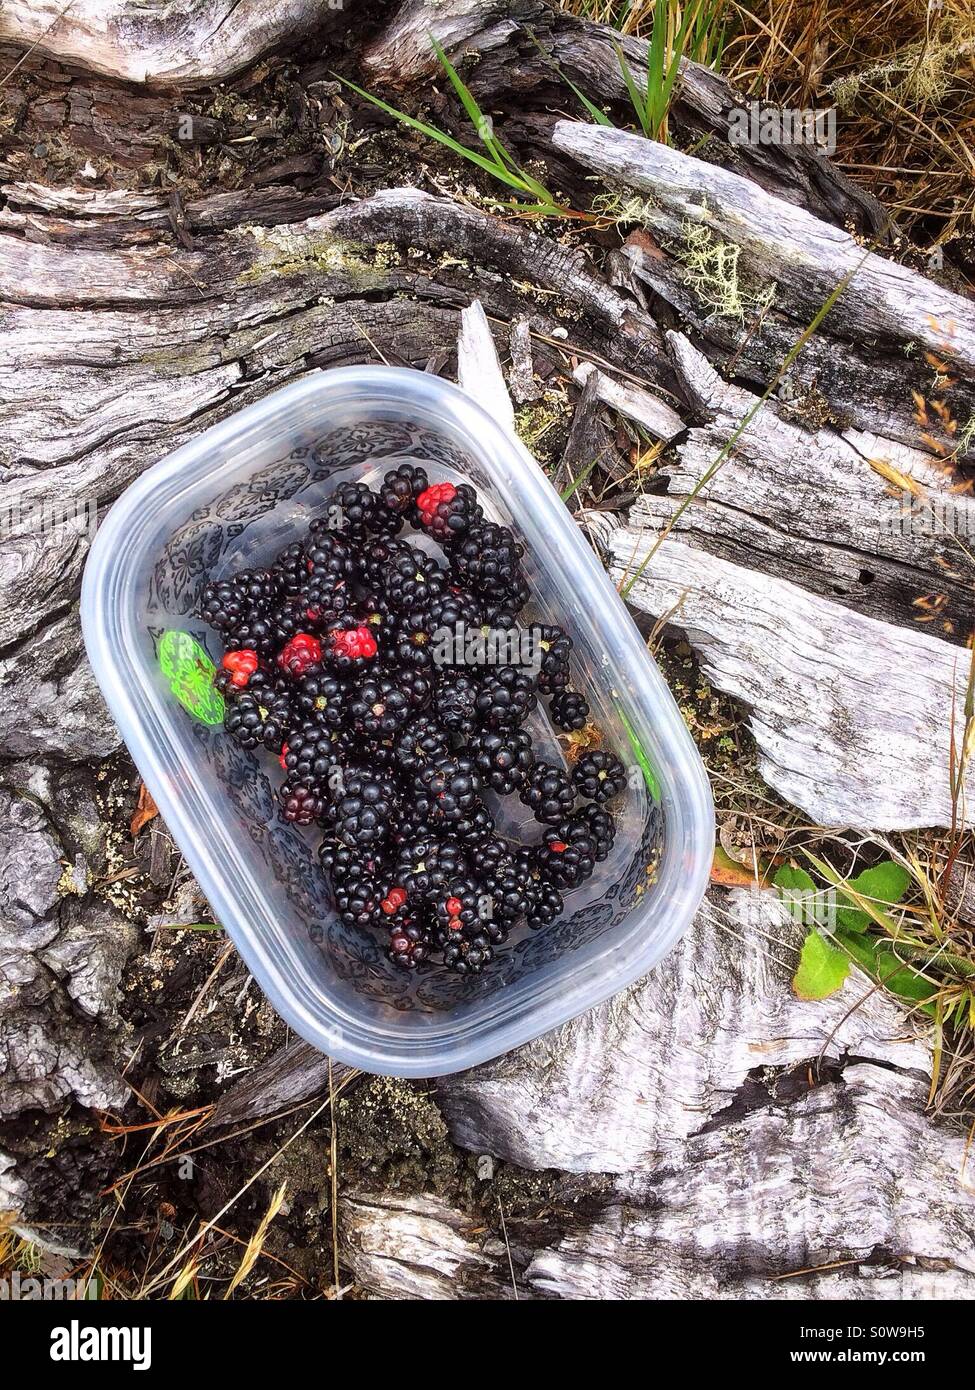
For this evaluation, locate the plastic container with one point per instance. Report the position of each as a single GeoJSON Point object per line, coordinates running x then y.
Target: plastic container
{"type": "Point", "coordinates": [233, 498]}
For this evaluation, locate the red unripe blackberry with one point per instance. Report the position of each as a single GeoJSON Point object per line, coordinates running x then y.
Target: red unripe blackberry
{"type": "Point", "coordinates": [448, 512]}
{"type": "Point", "coordinates": [241, 665]}
{"type": "Point", "coordinates": [300, 654]}
{"type": "Point", "coordinates": [350, 647]}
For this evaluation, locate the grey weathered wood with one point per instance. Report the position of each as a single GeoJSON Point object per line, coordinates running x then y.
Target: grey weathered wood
{"type": "Point", "coordinates": [868, 357]}
{"type": "Point", "coordinates": [648, 410]}
{"type": "Point", "coordinates": [701, 1096]}
{"type": "Point", "coordinates": [810, 504]}
{"type": "Point", "coordinates": [478, 368]}
{"type": "Point", "coordinates": [523, 47]}
{"type": "Point", "coordinates": [296, 1073]}
{"type": "Point", "coordinates": [132, 320]}
{"type": "Point", "coordinates": [850, 714]}
{"type": "Point", "coordinates": [193, 43]}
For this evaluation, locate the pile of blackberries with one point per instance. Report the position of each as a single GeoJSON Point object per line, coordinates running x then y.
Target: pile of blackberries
{"type": "Point", "coordinates": [342, 659]}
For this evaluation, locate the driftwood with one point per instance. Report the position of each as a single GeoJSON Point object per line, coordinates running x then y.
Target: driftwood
{"type": "Point", "coordinates": [713, 1133]}
{"type": "Point", "coordinates": [724, 1140]}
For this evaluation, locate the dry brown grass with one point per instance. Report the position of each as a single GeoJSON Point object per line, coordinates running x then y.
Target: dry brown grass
{"type": "Point", "coordinates": [901, 73]}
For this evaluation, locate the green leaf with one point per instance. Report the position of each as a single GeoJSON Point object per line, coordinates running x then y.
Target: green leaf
{"type": "Point", "coordinates": [885, 882]}
{"type": "Point", "coordinates": [636, 99]}
{"type": "Point", "coordinates": [822, 969]}
{"type": "Point", "coordinates": [879, 959]}
{"type": "Point", "coordinates": [794, 880]}
{"type": "Point", "coordinates": [799, 893]}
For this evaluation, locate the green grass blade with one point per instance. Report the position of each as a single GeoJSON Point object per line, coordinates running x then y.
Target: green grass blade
{"type": "Point", "coordinates": [476, 116]}
{"type": "Point", "coordinates": [636, 99]}
{"type": "Point", "coordinates": [441, 136]}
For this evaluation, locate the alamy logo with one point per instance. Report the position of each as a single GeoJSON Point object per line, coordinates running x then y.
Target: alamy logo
{"type": "Point", "coordinates": [78, 1343]}
{"type": "Point", "coordinates": [28, 1288]}
{"type": "Point", "coordinates": [755, 124]}
{"type": "Point", "coordinates": [487, 646]}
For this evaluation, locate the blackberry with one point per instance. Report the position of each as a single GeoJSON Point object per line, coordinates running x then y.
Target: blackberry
{"type": "Point", "coordinates": [505, 699]}
{"type": "Point", "coordinates": [599, 776]}
{"type": "Point", "coordinates": [378, 708]}
{"type": "Point", "coordinates": [291, 568]}
{"type": "Point", "coordinates": [309, 757]}
{"type": "Point", "coordinates": [548, 793]}
{"type": "Point", "coordinates": [451, 785]}
{"type": "Point", "coordinates": [600, 826]}
{"type": "Point", "coordinates": [421, 743]}
{"type": "Point", "coordinates": [455, 702]}
{"type": "Point", "coordinates": [377, 616]}
{"type": "Point", "coordinates": [546, 904]}
{"type": "Point", "coordinates": [488, 560]}
{"type": "Point", "coordinates": [448, 512]}
{"type": "Point", "coordinates": [440, 632]}
{"type": "Point", "coordinates": [492, 854]}
{"type": "Point", "coordinates": [410, 943]}
{"type": "Point", "coordinates": [501, 614]}
{"type": "Point", "coordinates": [301, 654]}
{"type": "Point", "coordinates": [353, 507]}
{"type": "Point", "coordinates": [424, 864]}
{"type": "Point", "coordinates": [412, 580]}
{"type": "Point", "coordinates": [363, 809]}
{"type": "Point", "coordinates": [417, 686]}
{"type": "Point", "coordinates": [471, 828]}
{"type": "Point", "coordinates": [397, 496]}
{"type": "Point", "coordinates": [349, 645]}
{"type": "Point", "coordinates": [554, 647]}
{"type": "Point", "coordinates": [329, 558]}
{"type": "Point", "coordinates": [300, 805]}
{"type": "Point", "coordinates": [510, 897]}
{"type": "Point", "coordinates": [323, 601]}
{"type": "Point", "coordinates": [377, 754]}
{"type": "Point", "coordinates": [338, 859]}
{"type": "Point", "coordinates": [569, 709]}
{"type": "Point", "coordinates": [237, 669]}
{"type": "Point", "coordinates": [245, 720]}
{"type": "Point", "coordinates": [413, 647]}
{"type": "Point", "coordinates": [504, 758]}
{"type": "Point", "coordinates": [465, 956]}
{"type": "Point", "coordinates": [322, 697]}
{"type": "Point", "coordinates": [358, 895]}
{"type": "Point", "coordinates": [457, 904]}
{"type": "Point", "coordinates": [567, 855]}
{"type": "Point", "coordinates": [375, 559]}
{"type": "Point", "coordinates": [279, 715]}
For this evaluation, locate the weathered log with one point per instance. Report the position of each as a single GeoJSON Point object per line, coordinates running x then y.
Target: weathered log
{"type": "Point", "coordinates": [297, 1073]}
{"type": "Point", "coordinates": [708, 1094]}
{"type": "Point", "coordinates": [525, 49]}
{"type": "Point", "coordinates": [887, 337]}
{"type": "Point", "coordinates": [133, 318]}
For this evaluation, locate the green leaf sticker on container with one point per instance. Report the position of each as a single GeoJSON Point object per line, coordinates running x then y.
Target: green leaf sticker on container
{"type": "Point", "coordinates": [190, 673]}
{"type": "Point", "coordinates": [640, 753]}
